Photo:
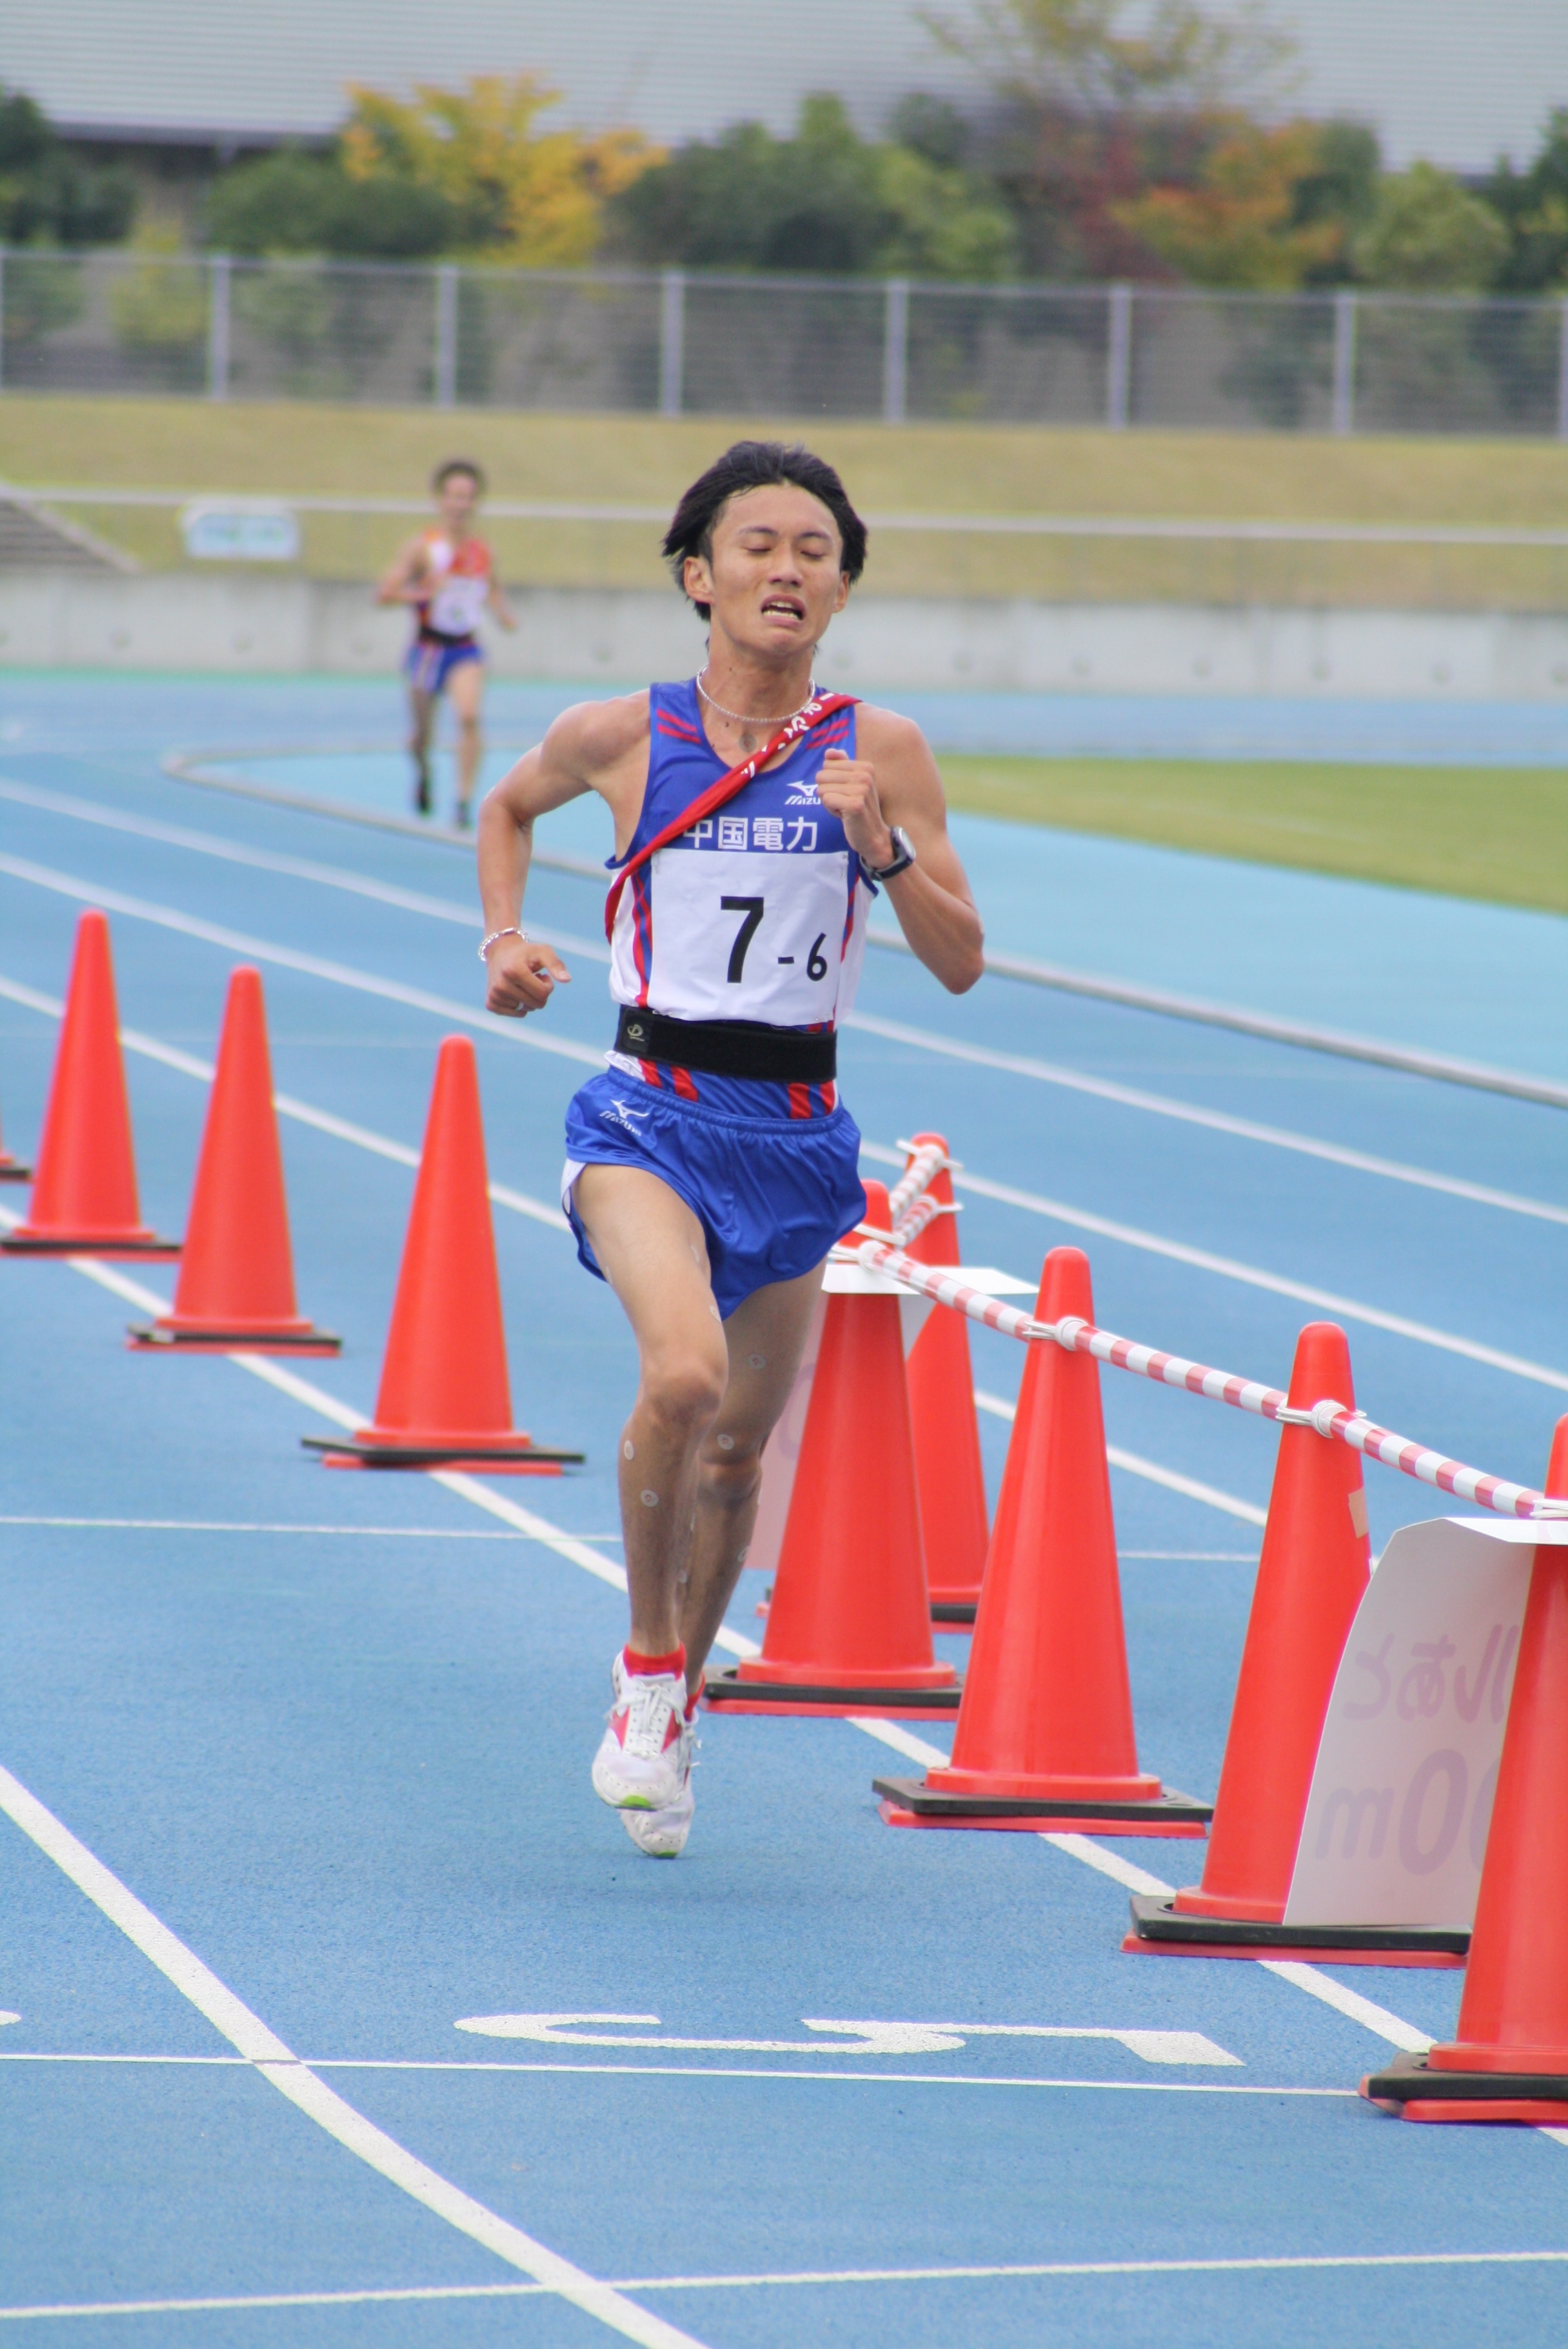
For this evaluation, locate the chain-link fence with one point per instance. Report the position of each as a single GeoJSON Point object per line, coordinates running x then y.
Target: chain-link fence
{"type": "Point", "coordinates": [677, 342]}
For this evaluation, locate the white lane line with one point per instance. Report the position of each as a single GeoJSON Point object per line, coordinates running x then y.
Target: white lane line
{"type": "Point", "coordinates": [1348, 1308]}
{"type": "Point", "coordinates": [1043, 2270]}
{"type": "Point", "coordinates": [381, 1145]}
{"type": "Point", "coordinates": [446, 909]}
{"type": "Point", "coordinates": [1305, 1978]}
{"type": "Point", "coordinates": [1150, 1471]}
{"type": "Point", "coordinates": [1316, 1984]}
{"type": "Point", "coordinates": [295, 868]}
{"type": "Point", "coordinates": [735, 2072]}
{"type": "Point", "coordinates": [337, 974]}
{"type": "Point", "coordinates": [359, 1533]}
{"type": "Point", "coordinates": [1130, 1235]}
{"type": "Point", "coordinates": [1242, 1129]}
{"type": "Point", "coordinates": [245, 2032]}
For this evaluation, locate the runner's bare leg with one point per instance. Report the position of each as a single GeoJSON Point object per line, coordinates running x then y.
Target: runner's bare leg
{"type": "Point", "coordinates": [465, 691]}
{"type": "Point", "coordinates": [421, 719]}
{"type": "Point", "coordinates": [688, 1496]}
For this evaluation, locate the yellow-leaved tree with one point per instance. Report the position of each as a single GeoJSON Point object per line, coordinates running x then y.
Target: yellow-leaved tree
{"type": "Point", "coordinates": [516, 193]}
{"type": "Point", "coordinates": [1241, 224]}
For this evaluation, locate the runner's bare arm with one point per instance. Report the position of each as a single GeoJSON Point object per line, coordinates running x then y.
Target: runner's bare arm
{"type": "Point", "coordinates": [498, 603]}
{"type": "Point", "coordinates": [405, 583]}
{"type": "Point", "coordinates": [599, 746]}
{"type": "Point", "coordinates": [894, 780]}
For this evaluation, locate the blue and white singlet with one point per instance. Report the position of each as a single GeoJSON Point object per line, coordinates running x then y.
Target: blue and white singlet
{"type": "Point", "coordinates": [757, 914]}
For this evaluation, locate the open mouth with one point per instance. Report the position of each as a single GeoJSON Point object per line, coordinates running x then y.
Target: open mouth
{"type": "Point", "coordinates": [783, 608]}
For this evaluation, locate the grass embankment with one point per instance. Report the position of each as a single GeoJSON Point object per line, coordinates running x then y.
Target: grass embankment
{"type": "Point", "coordinates": [1495, 833]}
{"type": "Point", "coordinates": [310, 448]}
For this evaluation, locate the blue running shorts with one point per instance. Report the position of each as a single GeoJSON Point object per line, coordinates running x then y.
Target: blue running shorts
{"type": "Point", "coordinates": [431, 660]}
{"type": "Point", "coordinates": [771, 1191]}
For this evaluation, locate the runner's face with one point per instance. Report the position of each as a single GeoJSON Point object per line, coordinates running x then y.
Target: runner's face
{"type": "Point", "coordinates": [775, 575]}
{"type": "Point", "coordinates": [460, 495]}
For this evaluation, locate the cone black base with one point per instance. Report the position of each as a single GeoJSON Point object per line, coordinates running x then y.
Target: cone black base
{"type": "Point", "coordinates": [931, 1807]}
{"type": "Point", "coordinates": [147, 1338]}
{"type": "Point", "coordinates": [1410, 2081]}
{"type": "Point", "coordinates": [729, 1694]}
{"type": "Point", "coordinates": [152, 1250]}
{"type": "Point", "coordinates": [1157, 1923]}
{"type": "Point", "coordinates": [953, 1611]}
{"type": "Point", "coordinates": [13, 1171]}
{"type": "Point", "coordinates": [440, 1455]}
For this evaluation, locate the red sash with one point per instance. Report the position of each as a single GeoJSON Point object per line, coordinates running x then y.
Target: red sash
{"type": "Point", "coordinates": [725, 788]}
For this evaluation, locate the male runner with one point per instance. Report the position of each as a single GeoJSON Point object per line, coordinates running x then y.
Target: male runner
{"type": "Point", "coordinates": [712, 1166]}
{"type": "Point", "coordinates": [447, 575]}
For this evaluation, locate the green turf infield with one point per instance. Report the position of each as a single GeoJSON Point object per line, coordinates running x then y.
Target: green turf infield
{"type": "Point", "coordinates": [1493, 833]}
{"type": "Point", "coordinates": [305, 448]}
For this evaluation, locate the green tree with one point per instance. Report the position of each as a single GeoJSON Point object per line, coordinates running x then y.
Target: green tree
{"type": "Point", "coordinates": [826, 201]}
{"type": "Point", "coordinates": [46, 195]}
{"type": "Point", "coordinates": [294, 202]}
{"type": "Point", "coordinates": [1533, 207]}
{"type": "Point", "coordinates": [1427, 234]}
{"type": "Point", "coordinates": [158, 306]}
{"type": "Point", "coordinates": [1237, 225]}
{"type": "Point", "coordinates": [1100, 100]}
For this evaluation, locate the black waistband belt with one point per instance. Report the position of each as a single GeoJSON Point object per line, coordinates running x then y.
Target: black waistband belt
{"type": "Point", "coordinates": [729, 1048]}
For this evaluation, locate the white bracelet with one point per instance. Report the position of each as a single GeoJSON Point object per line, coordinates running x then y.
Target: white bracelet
{"type": "Point", "coordinates": [511, 931]}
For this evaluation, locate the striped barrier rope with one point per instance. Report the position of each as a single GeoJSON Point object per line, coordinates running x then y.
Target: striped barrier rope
{"type": "Point", "coordinates": [1328, 1418]}
{"type": "Point", "coordinates": [917, 1177]}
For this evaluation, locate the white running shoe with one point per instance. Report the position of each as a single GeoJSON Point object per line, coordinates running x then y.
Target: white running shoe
{"type": "Point", "coordinates": [661, 1833]}
{"type": "Point", "coordinates": [640, 1764]}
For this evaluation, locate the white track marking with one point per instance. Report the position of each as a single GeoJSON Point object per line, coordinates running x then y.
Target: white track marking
{"type": "Point", "coordinates": [296, 868]}
{"type": "Point", "coordinates": [1075, 1218]}
{"type": "Point", "coordinates": [1107, 1863]}
{"type": "Point", "coordinates": [1133, 1097]}
{"type": "Point", "coordinates": [261, 2046]}
{"type": "Point", "coordinates": [1150, 1470]}
{"type": "Point", "coordinates": [1305, 1978]}
{"type": "Point", "coordinates": [833, 2074]}
{"type": "Point", "coordinates": [1308, 1978]}
{"type": "Point", "coordinates": [1347, 1309]}
{"type": "Point", "coordinates": [1350, 2003]}
{"type": "Point", "coordinates": [359, 1533]}
{"type": "Point", "coordinates": [1324, 2261]}
{"type": "Point", "coordinates": [901, 1741]}
{"type": "Point", "coordinates": [337, 974]}
{"type": "Point", "coordinates": [302, 1113]}
{"type": "Point", "coordinates": [1242, 1129]}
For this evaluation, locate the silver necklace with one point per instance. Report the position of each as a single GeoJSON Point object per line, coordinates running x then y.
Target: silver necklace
{"type": "Point", "coordinates": [755, 724]}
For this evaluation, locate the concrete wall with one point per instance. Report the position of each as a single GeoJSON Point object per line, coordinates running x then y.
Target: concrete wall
{"type": "Point", "coordinates": [248, 624]}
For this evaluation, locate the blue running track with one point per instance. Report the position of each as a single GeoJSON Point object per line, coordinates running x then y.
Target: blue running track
{"type": "Point", "coordinates": [296, 1763]}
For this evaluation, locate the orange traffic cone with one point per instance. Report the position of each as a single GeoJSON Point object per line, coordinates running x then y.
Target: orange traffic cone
{"type": "Point", "coordinates": [1044, 1734]}
{"type": "Point", "coordinates": [236, 1274]}
{"type": "Point", "coordinates": [445, 1399]}
{"type": "Point", "coordinates": [1311, 1576]}
{"type": "Point", "coordinates": [947, 1431]}
{"type": "Point", "coordinates": [1509, 2061]}
{"type": "Point", "coordinates": [848, 1629]}
{"type": "Point", "coordinates": [12, 1169]}
{"type": "Point", "coordinates": [84, 1198]}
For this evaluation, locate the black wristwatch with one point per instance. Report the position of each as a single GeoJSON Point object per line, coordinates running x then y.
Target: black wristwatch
{"type": "Point", "coordinates": [904, 856]}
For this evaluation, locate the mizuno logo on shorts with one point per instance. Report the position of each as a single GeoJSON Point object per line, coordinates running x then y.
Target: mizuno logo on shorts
{"type": "Point", "coordinates": [621, 1115]}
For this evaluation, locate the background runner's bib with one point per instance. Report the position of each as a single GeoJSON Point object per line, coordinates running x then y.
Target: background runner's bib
{"type": "Point", "coordinates": [456, 604]}
{"type": "Point", "coordinates": [760, 911]}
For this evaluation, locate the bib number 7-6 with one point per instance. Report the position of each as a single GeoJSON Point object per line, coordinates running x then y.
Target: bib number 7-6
{"type": "Point", "coordinates": [753, 908]}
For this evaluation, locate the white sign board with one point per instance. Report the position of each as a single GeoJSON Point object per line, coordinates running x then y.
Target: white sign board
{"type": "Point", "coordinates": [240, 530]}
{"type": "Point", "coordinates": [1401, 1795]}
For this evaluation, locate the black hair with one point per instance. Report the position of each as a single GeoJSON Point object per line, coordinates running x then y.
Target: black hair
{"type": "Point", "coordinates": [755, 465]}
{"type": "Point", "coordinates": [443, 473]}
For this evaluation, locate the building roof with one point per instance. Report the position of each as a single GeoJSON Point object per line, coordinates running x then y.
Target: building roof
{"type": "Point", "coordinates": [1450, 79]}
